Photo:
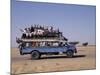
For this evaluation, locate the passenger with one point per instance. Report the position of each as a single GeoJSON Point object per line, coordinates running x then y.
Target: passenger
{"type": "Point", "coordinates": [29, 30]}
{"type": "Point", "coordinates": [23, 34]}
{"type": "Point", "coordinates": [40, 27]}
{"type": "Point", "coordinates": [28, 37]}
{"type": "Point", "coordinates": [32, 34]}
{"type": "Point", "coordinates": [32, 29]}
{"type": "Point", "coordinates": [51, 30]}
{"type": "Point", "coordinates": [27, 33]}
{"type": "Point", "coordinates": [26, 30]}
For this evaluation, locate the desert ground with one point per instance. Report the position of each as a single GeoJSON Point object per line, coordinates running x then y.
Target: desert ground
{"type": "Point", "coordinates": [85, 59]}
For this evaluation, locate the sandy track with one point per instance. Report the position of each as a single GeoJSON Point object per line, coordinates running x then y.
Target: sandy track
{"type": "Point", "coordinates": [84, 59]}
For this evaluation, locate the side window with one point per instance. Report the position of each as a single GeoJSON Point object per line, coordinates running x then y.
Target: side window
{"type": "Point", "coordinates": [55, 44]}
{"type": "Point", "coordinates": [28, 44]}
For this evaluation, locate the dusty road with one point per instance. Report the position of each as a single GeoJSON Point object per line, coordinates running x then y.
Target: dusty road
{"type": "Point", "coordinates": [83, 60]}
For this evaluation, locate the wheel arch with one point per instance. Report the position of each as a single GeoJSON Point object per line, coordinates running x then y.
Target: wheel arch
{"type": "Point", "coordinates": [70, 50]}
{"type": "Point", "coordinates": [35, 50]}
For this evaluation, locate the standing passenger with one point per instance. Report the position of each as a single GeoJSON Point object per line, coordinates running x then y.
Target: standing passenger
{"type": "Point", "coordinates": [32, 29]}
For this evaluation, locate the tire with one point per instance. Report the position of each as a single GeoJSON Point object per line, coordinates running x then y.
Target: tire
{"type": "Point", "coordinates": [70, 54]}
{"type": "Point", "coordinates": [35, 55]}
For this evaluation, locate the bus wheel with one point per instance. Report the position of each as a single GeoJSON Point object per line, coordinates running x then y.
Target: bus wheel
{"type": "Point", "coordinates": [70, 54]}
{"type": "Point", "coordinates": [35, 55]}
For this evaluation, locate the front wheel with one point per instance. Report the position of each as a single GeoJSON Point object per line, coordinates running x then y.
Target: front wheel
{"type": "Point", "coordinates": [35, 55]}
{"type": "Point", "coordinates": [70, 54]}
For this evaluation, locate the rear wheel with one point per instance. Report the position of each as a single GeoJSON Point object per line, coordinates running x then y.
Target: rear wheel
{"type": "Point", "coordinates": [35, 55]}
{"type": "Point", "coordinates": [70, 54]}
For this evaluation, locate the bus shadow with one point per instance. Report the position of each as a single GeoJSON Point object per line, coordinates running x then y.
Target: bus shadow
{"type": "Point", "coordinates": [59, 57]}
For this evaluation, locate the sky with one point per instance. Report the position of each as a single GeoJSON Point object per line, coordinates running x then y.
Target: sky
{"type": "Point", "coordinates": [77, 22]}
